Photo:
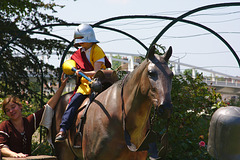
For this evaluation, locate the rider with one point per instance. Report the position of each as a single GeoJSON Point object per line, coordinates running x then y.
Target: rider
{"type": "Point", "coordinates": [89, 59]}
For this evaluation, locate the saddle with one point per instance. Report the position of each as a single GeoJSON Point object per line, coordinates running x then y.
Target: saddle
{"type": "Point", "coordinates": [102, 80]}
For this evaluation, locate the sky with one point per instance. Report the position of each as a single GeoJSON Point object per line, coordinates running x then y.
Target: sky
{"type": "Point", "coordinates": [191, 44]}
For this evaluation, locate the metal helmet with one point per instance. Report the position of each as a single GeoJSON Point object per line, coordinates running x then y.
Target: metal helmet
{"type": "Point", "coordinates": [84, 33]}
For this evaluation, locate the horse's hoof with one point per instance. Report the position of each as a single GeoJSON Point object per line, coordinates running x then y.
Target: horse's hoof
{"type": "Point", "coordinates": [60, 137]}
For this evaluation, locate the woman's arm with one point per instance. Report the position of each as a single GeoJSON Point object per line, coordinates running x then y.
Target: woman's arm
{"type": "Point", "coordinates": [6, 152]}
{"type": "Point", "coordinates": [53, 101]}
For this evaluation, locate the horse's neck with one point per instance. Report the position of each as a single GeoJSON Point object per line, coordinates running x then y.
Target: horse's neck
{"type": "Point", "coordinates": [133, 87]}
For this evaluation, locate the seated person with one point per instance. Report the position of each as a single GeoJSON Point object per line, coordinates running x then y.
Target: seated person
{"type": "Point", "coordinates": [89, 59]}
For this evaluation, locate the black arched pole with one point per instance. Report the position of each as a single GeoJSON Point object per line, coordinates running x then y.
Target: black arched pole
{"type": "Point", "coordinates": [36, 59]}
{"type": "Point", "coordinates": [32, 29]}
{"type": "Point", "coordinates": [117, 30]}
{"type": "Point", "coordinates": [62, 60]}
{"type": "Point", "coordinates": [66, 24]}
{"type": "Point", "coordinates": [191, 12]}
{"type": "Point", "coordinates": [98, 25]}
{"type": "Point", "coordinates": [168, 18]}
{"type": "Point", "coordinates": [174, 20]}
{"type": "Point", "coordinates": [39, 66]}
{"type": "Point", "coordinates": [49, 34]}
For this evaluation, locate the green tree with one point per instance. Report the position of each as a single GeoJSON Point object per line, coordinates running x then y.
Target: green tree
{"type": "Point", "coordinates": [116, 64]}
{"type": "Point", "coordinates": [18, 59]}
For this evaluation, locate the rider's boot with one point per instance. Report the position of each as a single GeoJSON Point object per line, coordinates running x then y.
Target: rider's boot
{"type": "Point", "coordinates": [61, 136]}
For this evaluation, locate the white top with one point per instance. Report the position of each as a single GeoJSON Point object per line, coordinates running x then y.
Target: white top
{"type": "Point", "coordinates": [87, 52]}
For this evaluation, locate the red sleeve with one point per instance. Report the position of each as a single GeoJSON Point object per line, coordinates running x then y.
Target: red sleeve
{"type": "Point", "coordinates": [4, 135]}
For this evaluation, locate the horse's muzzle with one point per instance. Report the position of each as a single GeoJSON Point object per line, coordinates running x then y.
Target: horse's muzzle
{"type": "Point", "coordinates": [165, 110]}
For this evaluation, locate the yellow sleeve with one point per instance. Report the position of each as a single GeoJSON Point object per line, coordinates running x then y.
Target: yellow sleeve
{"type": "Point", "coordinates": [96, 54]}
{"type": "Point", "coordinates": [84, 87]}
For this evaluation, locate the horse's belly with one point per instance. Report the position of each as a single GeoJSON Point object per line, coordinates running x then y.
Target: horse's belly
{"type": "Point", "coordinates": [104, 144]}
{"type": "Point", "coordinates": [116, 152]}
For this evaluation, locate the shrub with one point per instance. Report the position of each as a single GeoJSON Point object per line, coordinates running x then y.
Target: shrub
{"type": "Point", "coordinates": [193, 104]}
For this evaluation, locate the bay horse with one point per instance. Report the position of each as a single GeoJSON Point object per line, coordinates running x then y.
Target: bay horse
{"type": "Point", "coordinates": [125, 105]}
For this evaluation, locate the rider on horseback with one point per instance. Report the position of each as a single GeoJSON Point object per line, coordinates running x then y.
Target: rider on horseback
{"type": "Point", "coordinates": [89, 59]}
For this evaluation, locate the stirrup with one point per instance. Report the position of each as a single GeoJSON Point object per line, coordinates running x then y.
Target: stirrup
{"type": "Point", "coordinates": [78, 135]}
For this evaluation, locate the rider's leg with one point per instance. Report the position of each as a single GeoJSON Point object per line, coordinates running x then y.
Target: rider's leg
{"type": "Point", "coordinates": [69, 114]}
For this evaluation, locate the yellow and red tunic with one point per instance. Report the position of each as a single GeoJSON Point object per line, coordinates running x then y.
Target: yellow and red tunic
{"type": "Point", "coordinates": [83, 63]}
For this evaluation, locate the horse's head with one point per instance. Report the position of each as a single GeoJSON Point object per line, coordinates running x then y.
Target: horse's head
{"type": "Point", "coordinates": [160, 79]}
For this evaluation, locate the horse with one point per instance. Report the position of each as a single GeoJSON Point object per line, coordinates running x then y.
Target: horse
{"type": "Point", "coordinates": [122, 108]}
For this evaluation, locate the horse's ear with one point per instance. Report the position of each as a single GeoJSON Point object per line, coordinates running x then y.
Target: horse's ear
{"type": "Point", "coordinates": [114, 76]}
{"type": "Point", "coordinates": [151, 52]}
{"type": "Point", "coordinates": [168, 54]}
{"type": "Point", "coordinates": [99, 74]}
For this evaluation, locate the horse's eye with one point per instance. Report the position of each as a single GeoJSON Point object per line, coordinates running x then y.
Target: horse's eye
{"type": "Point", "coordinates": [152, 73]}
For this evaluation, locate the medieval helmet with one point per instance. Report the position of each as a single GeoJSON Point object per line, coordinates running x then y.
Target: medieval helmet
{"type": "Point", "coordinates": [84, 33]}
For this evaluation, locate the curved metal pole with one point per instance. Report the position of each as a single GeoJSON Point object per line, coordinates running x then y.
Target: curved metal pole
{"type": "Point", "coordinates": [171, 18]}
{"type": "Point", "coordinates": [62, 60]}
{"type": "Point", "coordinates": [6, 83]}
{"type": "Point", "coordinates": [49, 34]}
{"type": "Point", "coordinates": [97, 25]}
{"type": "Point", "coordinates": [29, 30]}
{"type": "Point", "coordinates": [191, 12]}
{"type": "Point", "coordinates": [174, 20]}
{"type": "Point", "coordinates": [67, 24]}
{"type": "Point", "coordinates": [40, 67]}
{"type": "Point", "coordinates": [36, 59]}
{"type": "Point", "coordinates": [117, 30]}
{"type": "Point", "coordinates": [132, 17]}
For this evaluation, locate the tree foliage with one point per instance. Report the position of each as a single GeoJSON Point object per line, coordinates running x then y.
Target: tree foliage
{"type": "Point", "coordinates": [194, 103]}
{"type": "Point", "coordinates": [19, 47]}
{"type": "Point", "coordinates": [116, 64]}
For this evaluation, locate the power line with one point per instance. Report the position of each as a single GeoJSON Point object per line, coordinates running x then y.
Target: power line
{"type": "Point", "coordinates": [197, 53]}
{"type": "Point", "coordinates": [202, 34]}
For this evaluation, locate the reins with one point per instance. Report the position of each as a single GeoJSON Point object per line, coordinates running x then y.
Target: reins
{"type": "Point", "coordinates": [150, 135]}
